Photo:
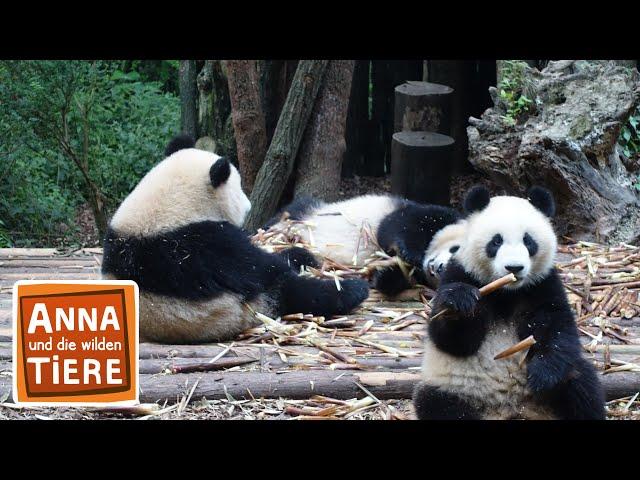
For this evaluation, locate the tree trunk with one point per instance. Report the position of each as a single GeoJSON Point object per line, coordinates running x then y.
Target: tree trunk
{"type": "Point", "coordinates": [279, 161]}
{"type": "Point", "coordinates": [215, 130]}
{"type": "Point", "coordinates": [188, 98]}
{"type": "Point", "coordinates": [248, 119]}
{"type": "Point", "coordinates": [323, 146]}
{"type": "Point", "coordinates": [206, 95]}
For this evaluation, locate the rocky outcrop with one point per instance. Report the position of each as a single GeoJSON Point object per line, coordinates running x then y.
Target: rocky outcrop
{"type": "Point", "coordinates": [568, 142]}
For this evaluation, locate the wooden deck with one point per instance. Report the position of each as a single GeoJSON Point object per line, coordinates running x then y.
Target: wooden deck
{"type": "Point", "coordinates": [367, 357]}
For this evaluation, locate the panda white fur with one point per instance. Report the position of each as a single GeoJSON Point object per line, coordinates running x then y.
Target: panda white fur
{"type": "Point", "coordinates": [460, 378]}
{"type": "Point", "coordinates": [424, 236]}
{"type": "Point", "coordinates": [178, 236]}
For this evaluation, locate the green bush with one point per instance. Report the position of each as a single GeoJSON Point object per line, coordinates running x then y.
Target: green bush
{"type": "Point", "coordinates": [115, 121]}
{"type": "Point", "coordinates": [630, 136]}
{"type": "Point", "coordinates": [512, 90]}
{"type": "Point", "coordinates": [629, 140]}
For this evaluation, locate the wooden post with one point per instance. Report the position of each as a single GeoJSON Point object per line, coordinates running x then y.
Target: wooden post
{"type": "Point", "coordinates": [423, 106]}
{"type": "Point", "coordinates": [421, 166]}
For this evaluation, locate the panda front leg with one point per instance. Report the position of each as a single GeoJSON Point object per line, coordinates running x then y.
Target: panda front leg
{"type": "Point", "coordinates": [297, 257]}
{"type": "Point", "coordinates": [435, 403]}
{"type": "Point", "coordinates": [461, 330]}
{"type": "Point", "coordinates": [390, 281]}
{"type": "Point", "coordinates": [557, 373]}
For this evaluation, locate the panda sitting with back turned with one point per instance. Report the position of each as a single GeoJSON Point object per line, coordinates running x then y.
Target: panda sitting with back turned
{"type": "Point", "coordinates": [460, 378]}
{"type": "Point", "coordinates": [178, 236]}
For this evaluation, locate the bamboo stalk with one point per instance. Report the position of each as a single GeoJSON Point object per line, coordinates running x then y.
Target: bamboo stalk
{"type": "Point", "coordinates": [518, 347]}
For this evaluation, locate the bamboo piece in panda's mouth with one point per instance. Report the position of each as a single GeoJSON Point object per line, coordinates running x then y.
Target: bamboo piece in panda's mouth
{"type": "Point", "coordinates": [487, 289]}
{"type": "Point", "coordinates": [518, 347]}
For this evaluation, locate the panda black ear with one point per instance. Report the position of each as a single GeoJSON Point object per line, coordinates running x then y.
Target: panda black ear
{"type": "Point", "coordinates": [219, 172]}
{"type": "Point", "coordinates": [477, 198]}
{"type": "Point", "coordinates": [179, 142]}
{"type": "Point", "coordinates": [542, 199]}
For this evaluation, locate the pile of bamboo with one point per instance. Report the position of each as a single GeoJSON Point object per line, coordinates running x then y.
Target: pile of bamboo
{"type": "Point", "coordinates": [288, 233]}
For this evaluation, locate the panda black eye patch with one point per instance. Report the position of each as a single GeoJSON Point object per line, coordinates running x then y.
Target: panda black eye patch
{"type": "Point", "coordinates": [531, 244]}
{"type": "Point", "coordinates": [494, 245]}
{"type": "Point", "coordinates": [454, 249]}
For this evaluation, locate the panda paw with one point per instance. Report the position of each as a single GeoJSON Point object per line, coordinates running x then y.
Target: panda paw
{"type": "Point", "coordinates": [390, 281]}
{"type": "Point", "coordinates": [544, 372]}
{"type": "Point", "coordinates": [353, 292]}
{"type": "Point", "coordinates": [457, 297]}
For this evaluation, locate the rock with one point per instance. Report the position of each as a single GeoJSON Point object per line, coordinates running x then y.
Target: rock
{"type": "Point", "coordinates": [568, 143]}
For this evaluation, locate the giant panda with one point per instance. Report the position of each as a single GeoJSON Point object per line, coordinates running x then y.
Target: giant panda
{"type": "Point", "coordinates": [178, 236]}
{"type": "Point", "coordinates": [424, 236]}
{"type": "Point", "coordinates": [460, 378]}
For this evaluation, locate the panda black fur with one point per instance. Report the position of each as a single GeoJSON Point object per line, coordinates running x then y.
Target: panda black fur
{"type": "Point", "coordinates": [460, 378]}
{"type": "Point", "coordinates": [177, 235]}
{"type": "Point", "coordinates": [401, 227]}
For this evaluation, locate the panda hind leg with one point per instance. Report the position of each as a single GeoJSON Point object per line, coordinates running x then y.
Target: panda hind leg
{"type": "Point", "coordinates": [320, 297]}
{"type": "Point", "coordinates": [433, 403]}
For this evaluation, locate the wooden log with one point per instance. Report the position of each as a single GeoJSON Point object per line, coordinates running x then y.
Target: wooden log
{"type": "Point", "coordinates": [304, 384]}
{"type": "Point", "coordinates": [292, 385]}
{"type": "Point", "coordinates": [421, 166]}
{"type": "Point", "coordinates": [271, 359]}
{"type": "Point", "coordinates": [422, 106]}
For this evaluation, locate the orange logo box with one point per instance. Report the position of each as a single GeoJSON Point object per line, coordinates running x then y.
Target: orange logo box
{"type": "Point", "coordinates": [75, 343]}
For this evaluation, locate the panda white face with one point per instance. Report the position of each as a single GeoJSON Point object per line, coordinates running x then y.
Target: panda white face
{"type": "Point", "coordinates": [444, 245]}
{"type": "Point", "coordinates": [187, 187]}
{"type": "Point", "coordinates": [509, 235]}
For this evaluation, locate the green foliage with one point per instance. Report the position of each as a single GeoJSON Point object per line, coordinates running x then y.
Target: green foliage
{"type": "Point", "coordinates": [512, 91]}
{"type": "Point", "coordinates": [163, 71]}
{"type": "Point", "coordinates": [630, 136]}
{"type": "Point", "coordinates": [629, 140]}
{"type": "Point", "coordinates": [5, 241]}
{"type": "Point", "coordinates": [64, 121]}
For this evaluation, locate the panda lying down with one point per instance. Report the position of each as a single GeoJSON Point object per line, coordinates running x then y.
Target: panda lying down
{"type": "Point", "coordinates": [423, 236]}
{"type": "Point", "coordinates": [460, 378]}
{"type": "Point", "coordinates": [178, 236]}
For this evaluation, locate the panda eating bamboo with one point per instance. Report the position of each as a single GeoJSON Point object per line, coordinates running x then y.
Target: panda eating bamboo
{"type": "Point", "coordinates": [461, 376]}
